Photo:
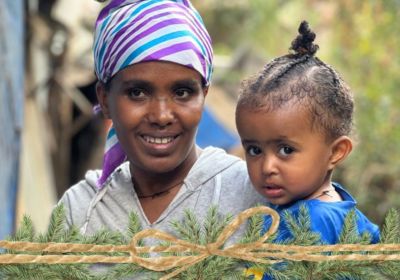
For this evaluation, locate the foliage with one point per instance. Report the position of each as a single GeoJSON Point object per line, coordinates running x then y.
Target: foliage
{"type": "Point", "coordinates": [302, 235]}
{"type": "Point", "coordinates": [214, 267]}
{"type": "Point", "coordinates": [57, 232]}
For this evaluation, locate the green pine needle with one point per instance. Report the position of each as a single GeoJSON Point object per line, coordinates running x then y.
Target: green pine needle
{"type": "Point", "coordinates": [391, 227]}
{"type": "Point", "coordinates": [300, 228]}
{"type": "Point", "coordinates": [56, 225]}
{"type": "Point", "coordinates": [214, 267]}
{"type": "Point", "coordinates": [349, 233]}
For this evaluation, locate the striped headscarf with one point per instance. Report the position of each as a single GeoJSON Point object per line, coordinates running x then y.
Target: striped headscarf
{"type": "Point", "coordinates": [133, 31]}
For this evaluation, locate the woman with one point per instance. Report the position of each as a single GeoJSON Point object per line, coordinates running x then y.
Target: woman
{"type": "Point", "coordinates": [153, 60]}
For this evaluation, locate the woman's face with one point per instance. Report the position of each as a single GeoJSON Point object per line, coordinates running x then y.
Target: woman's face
{"type": "Point", "coordinates": [155, 108]}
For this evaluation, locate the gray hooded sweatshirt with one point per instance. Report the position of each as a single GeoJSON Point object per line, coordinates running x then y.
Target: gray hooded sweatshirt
{"type": "Point", "coordinates": [216, 178]}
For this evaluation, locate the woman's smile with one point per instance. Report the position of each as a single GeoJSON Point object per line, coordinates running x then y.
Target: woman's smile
{"type": "Point", "coordinates": [157, 144]}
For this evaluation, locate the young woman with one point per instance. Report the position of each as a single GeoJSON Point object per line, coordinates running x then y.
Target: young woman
{"type": "Point", "coordinates": [153, 60]}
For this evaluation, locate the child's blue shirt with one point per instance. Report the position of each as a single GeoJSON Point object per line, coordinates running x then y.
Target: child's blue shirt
{"type": "Point", "coordinates": [327, 218]}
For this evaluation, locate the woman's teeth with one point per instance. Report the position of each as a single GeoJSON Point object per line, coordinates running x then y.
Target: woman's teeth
{"type": "Point", "coordinates": [158, 140]}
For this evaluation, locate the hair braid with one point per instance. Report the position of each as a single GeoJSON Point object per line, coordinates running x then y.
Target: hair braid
{"type": "Point", "coordinates": [274, 82]}
{"type": "Point", "coordinates": [255, 86]}
{"type": "Point", "coordinates": [335, 76]}
{"type": "Point", "coordinates": [301, 77]}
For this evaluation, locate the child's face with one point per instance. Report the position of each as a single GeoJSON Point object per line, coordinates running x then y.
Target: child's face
{"type": "Point", "coordinates": [286, 159]}
{"type": "Point", "coordinates": [156, 108]}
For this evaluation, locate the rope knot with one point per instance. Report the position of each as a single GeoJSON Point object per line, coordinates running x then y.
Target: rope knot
{"type": "Point", "coordinates": [212, 249]}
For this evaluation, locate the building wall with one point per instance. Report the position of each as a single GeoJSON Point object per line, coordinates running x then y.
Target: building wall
{"type": "Point", "coordinates": [11, 107]}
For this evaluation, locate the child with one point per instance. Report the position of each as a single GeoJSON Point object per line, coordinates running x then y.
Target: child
{"type": "Point", "coordinates": [294, 120]}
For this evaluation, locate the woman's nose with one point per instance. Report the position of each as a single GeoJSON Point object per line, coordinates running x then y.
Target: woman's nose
{"type": "Point", "coordinates": [161, 112]}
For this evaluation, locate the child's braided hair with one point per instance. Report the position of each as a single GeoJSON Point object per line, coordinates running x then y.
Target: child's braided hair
{"type": "Point", "coordinates": [303, 78]}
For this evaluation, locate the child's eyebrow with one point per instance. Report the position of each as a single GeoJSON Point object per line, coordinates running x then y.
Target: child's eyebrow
{"type": "Point", "coordinates": [276, 140]}
{"type": "Point", "coordinates": [248, 141]}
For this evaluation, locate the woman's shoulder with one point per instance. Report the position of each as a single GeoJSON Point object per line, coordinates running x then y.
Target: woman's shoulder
{"type": "Point", "coordinates": [88, 186]}
{"type": "Point", "coordinates": [216, 163]}
{"type": "Point", "coordinates": [225, 176]}
{"type": "Point", "coordinates": [78, 197]}
{"type": "Point", "coordinates": [84, 189]}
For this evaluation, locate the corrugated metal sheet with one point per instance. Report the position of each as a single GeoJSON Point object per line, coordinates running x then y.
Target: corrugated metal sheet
{"type": "Point", "coordinates": [11, 106]}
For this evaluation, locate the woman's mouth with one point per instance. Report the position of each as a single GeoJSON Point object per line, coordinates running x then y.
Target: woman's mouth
{"type": "Point", "coordinates": [158, 140]}
{"type": "Point", "coordinates": [160, 144]}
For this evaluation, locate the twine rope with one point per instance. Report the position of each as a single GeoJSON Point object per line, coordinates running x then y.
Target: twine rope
{"type": "Point", "coordinates": [257, 251]}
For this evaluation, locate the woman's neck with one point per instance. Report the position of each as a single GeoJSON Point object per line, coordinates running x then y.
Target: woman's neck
{"type": "Point", "coordinates": [148, 183]}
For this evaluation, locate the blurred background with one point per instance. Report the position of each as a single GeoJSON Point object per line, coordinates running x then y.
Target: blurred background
{"type": "Point", "coordinates": [50, 136]}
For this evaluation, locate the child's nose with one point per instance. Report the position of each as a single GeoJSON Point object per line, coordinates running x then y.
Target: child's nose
{"type": "Point", "coordinates": [269, 166]}
{"type": "Point", "coordinates": [161, 112]}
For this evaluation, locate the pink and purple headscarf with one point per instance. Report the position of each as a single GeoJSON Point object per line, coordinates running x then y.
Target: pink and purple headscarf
{"type": "Point", "coordinates": [133, 31]}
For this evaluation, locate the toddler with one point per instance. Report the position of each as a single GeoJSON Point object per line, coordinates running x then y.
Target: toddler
{"type": "Point", "coordinates": [294, 119]}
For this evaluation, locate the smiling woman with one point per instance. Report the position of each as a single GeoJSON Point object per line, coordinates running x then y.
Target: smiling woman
{"type": "Point", "coordinates": [153, 60]}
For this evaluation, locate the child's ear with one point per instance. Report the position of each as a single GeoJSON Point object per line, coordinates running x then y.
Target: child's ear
{"type": "Point", "coordinates": [101, 93]}
{"type": "Point", "coordinates": [341, 148]}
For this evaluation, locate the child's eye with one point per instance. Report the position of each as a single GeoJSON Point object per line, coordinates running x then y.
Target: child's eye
{"type": "Point", "coordinates": [253, 151]}
{"type": "Point", "coordinates": [285, 150]}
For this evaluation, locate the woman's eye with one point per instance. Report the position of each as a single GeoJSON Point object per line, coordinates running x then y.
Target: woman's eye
{"type": "Point", "coordinates": [136, 93]}
{"type": "Point", "coordinates": [286, 150]}
{"type": "Point", "coordinates": [183, 92]}
{"type": "Point", "coordinates": [253, 151]}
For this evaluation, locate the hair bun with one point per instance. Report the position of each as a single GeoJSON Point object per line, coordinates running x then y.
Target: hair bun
{"type": "Point", "coordinates": [303, 43]}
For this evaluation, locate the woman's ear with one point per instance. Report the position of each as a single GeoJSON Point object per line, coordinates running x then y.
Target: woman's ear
{"type": "Point", "coordinates": [341, 148]}
{"type": "Point", "coordinates": [101, 93]}
{"type": "Point", "coordinates": [205, 90]}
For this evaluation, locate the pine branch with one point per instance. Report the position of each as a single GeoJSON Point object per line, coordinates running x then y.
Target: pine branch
{"type": "Point", "coordinates": [391, 227]}
{"type": "Point", "coordinates": [254, 228]}
{"type": "Point", "coordinates": [188, 230]}
{"type": "Point", "coordinates": [390, 235]}
{"type": "Point", "coordinates": [134, 225]}
{"type": "Point", "coordinates": [349, 233]}
{"type": "Point", "coordinates": [56, 225]}
{"type": "Point", "coordinates": [128, 270]}
{"type": "Point", "coordinates": [56, 233]}
{"type": "Point", "coordinates": [215, 266]}
{"type": "Point", "coordinates": [300, 228]}
{"type": "Point", "coordinates": [103, 237]}
{"type": "Point", "coordinates": [213, 225]}
{"type": "Point", "coordinates": [26, 232]}
{"type": "Point", "coordinates": [123, 271]}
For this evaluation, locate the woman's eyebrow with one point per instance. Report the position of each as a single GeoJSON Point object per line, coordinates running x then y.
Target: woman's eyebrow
{"type": "Point", "coordinates": [137, 83]}
{"type": "Point", "coordinates": [186, 83]}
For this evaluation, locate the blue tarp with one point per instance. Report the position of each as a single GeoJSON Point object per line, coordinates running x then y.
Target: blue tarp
{"type": "Point", "coordinates": [213, 133]}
